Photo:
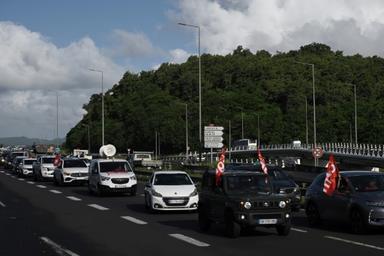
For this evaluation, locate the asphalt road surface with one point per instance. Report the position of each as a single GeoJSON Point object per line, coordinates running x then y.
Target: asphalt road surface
{"type": "Point", "coordinates": [38, 218]}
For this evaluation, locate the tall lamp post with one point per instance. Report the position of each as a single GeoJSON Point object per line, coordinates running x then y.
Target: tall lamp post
{"type": "Point", "coordinates": [102, 102]}
{"type": "Point", "coordinates": [198, 30]}
{"type": "Point", "coordinates": [354, 90]}
{"type": "Point", "coordinates": [314, 102]}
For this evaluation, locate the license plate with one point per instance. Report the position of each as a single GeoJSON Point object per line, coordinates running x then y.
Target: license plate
{"type": "Point", "coordinates": [268, 221]}
{"type": "Point", "coordinates": [175, 201]}
{"type": "Point", "coordinates": [119, 186]}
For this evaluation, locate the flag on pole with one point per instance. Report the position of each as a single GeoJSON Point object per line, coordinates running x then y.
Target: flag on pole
{"type": "Point", "coordinates": [262, 162]}
{"type": "Point", "coordinates": [220, 166]}
{"type": "Point", "coordinates": [330, 181]}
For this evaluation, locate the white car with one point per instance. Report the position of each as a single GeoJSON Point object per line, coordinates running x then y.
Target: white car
{"type": "Point", "coordinates": [43, 167]}
{"type": "Point", "coordinates": [111, 175]}
{"type": "Point", "coordinates": [70, 170]}
{"type": "Point", "coordinates": [25, 168]}
{"type": "Point", "coordinates": [171, 190]}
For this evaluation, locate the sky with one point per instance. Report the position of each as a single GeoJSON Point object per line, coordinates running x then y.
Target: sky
{"type": "Point", "coordinates": [48, 46]}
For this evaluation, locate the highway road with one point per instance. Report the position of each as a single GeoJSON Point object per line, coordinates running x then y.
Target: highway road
{"type": "Point", "coordinates": [38, 218]}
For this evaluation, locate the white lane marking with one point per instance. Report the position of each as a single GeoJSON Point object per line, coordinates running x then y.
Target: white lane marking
{"type": "Point", "coordinates": [189, 240]}
{"type": "Point", "coordinates": [142, 194]}
{"type": "Point", "coordinates": [55, 191]}
{"type": "Point", "coordinates": [73, 198]}
{"type": "Point", "coordinates": [21, 179]}
{"type": "Point", "coordinates": [355, 243]}
{"type": "Point", "coordinates": [134, 220]}
{"type": "Point", "coordinates": [299, 230]}
{"type": "Point", "coordinates": [30, 182]}
{"type": "Point", "coordinates": [13, 176]}
{"type": "Point", "coordinates": [98, 207]}
{"type": "Point", "coordinates": [2, 171]}
{"type": "Point", "coordinates": [41, 186]}
{"type": "Point", "coordinates": [7, 174]}
{"type": "Point", "coordinates": [58, 248]}
{"type": "Point", "coordinates": [2, 204]}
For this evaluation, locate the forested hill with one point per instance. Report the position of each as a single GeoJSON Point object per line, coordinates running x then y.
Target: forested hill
{"type": "Point", "coordinates": [275, 87]}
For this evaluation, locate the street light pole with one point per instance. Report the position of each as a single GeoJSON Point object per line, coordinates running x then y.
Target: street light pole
{"type": "Point", "coordinates": [314, 103]}
{"type": "Point", "coordinates": [242, 125]}
{"type": "Point", "coordinates": [102, 103]}
{"type": "Point", "coordinates": [200, 127]}
{"type": "Point", "coordinates": [306, 121]}
{"type": "Point", "coordinates": [258, 131]}
{"type": "Point", "coordinates": [186, 131]}
{"type": "Point", "coordinates": [355, 115]}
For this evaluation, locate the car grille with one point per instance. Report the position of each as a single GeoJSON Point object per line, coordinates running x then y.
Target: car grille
{"type": "Point", "coordinates": [171, 201]}
{"type": "Point", "coordinates": [120, 180]}
{"type": "Point", "coordinates": [265, 204]}
{"type": "Point", "coordinates": [79, 174]}
{"type": "Point", "coordinates": [266, 216]}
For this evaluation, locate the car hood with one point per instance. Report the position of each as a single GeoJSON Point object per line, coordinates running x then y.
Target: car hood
{"type": "Point", "coordinates": [175, 190]}
{"type": "Point", "coordinates": [48, 166]}
{"type": "Point", "coordinates": [258, 197]}
{"type": "Point", "coordinates": [76, 169]}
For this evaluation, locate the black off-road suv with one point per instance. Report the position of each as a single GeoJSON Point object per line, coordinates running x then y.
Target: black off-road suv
{"type": "Point", "coordinates": [243, 199]}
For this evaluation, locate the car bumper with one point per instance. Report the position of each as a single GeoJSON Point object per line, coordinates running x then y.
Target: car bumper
{"type": "Point", "coordinates": [71, 179]}
{"type": "Point", "coordinates": [119, 188]}
{"type": "Point", "coordinates": [166, 203]}
{"type": "Point", "coordinates": [262, 218]}
{"type": "Point", "coordinates": [47, 174]}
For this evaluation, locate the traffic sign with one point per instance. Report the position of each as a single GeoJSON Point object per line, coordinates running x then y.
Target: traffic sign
{"type": "Point", "coordinates": [317, 152]}
{"type": "Point", "coordinates": [213, 133]}
{"type": "Point", "coordinates": [213, 128]}
{"type": "Point", "coordinates": [213, 139]}
{"type": "Point", "coordinates": [213, 145]}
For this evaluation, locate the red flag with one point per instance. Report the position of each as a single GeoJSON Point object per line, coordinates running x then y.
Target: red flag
{"type": "Point", "coordinates": [262, 162]}
{"type": "Point", "coordinates": [330, 181]}
{"type": "Point", "coordinates": [57, 160]}
{"type": "Point", "coordinates": [220, 166]}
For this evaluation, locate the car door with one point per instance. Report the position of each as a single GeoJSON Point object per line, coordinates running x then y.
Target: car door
{"type": "Point", "coordinates": [339, 202]}
{"type": "Point", "coordinates": [218, 201]}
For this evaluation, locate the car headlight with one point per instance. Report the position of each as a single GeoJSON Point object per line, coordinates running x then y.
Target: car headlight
{"type": "Point", "coordinates": [133, 177]}
{"type": "Point", "coordinates": [104, 178]}
{"type": "Point", "coordinates": [247, 205]}
{"type": "Point", "coordinates": [282, 204]}
{"type": "Point", "coordinates": [66, 173]}
{"type": "Point", "coordinates": [194, 193]}
{"type": "Point", "coordinates": [157, 194]}
{"type": "Point", "coordinates": [377, 204]}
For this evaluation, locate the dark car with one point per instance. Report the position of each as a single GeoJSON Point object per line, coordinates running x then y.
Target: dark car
{"type": "Point", "coordinates": [358, 200]}
{"type": "Point", "coordinates": [243, 199]}
{"type": "Point", "coordinates": [281, 182]}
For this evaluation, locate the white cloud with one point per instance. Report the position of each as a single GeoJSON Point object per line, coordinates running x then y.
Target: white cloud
{"type": "Point", "coordinates": [131, 44]}
{"type": "Point", "coordinates": [178, 56]}
{"type": "Point", "coordinates": [286, 24]}
{"type": "Point", "coordinates": [33, 69]}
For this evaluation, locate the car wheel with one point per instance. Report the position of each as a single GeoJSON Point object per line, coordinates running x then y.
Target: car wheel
{"type": "Point", "coordinates": [232, 228]}
{"type": "Point", "coordinates": [204, 222]}
{"type": "Point", "coordinates": [90, 188]}
{"type": "Point", "coordinates": [313, 215]}
{"type": "Point", "coordinates": [283, 230]}
{"type": "Point", "coordinates": [358, 224]}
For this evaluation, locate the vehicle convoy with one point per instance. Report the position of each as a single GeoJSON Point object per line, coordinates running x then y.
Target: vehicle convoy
{"type": "Point", "coordinates": [25, 168]}
{"type": "Point", "coordinates": [43, 167]}
{"type": "Point", "coordinates": [242, 200]}
{"type": "Point", "coordinates": [144, 159]}
{"type": "Point", "coordinates": [70, 170]}
{"type": "Point", "coordinates": [358, 201]}
{"type": "Point", "coordinates": [170, 190]}
{"type": "Point", "coordinates": [281, 182]}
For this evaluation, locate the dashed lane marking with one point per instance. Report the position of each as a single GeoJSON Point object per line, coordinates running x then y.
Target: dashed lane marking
{"type": "Point", "coordinates": [189, 240]}
{"type": "Point", "coordinates": [2, 204]}
{"type": "Point", "coordinates": [21, 179]}
{"type": "Point", "coordinates": [55, 191]}
{"type": "Point", "coordinates": [30, 182]}
{"type": "Point", "coordinates": [355, 243]}
{"type": "Point", "coordinates": [134, 220]}
{"type": "Point", "coordinates": [41, 186]}
{"type": "Point", "coordinates": [58, 248]}
{"type": "Point", "coordinates": [73, 198]}
{"type": "Point", "coordinates": [98, 207]}
{"type": "Point", "coordinates": [299, 230]}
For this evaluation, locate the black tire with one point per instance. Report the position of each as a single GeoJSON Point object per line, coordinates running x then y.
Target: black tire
{"type": "Point", "coordinates": [232, 228]}
{"type": "Point", "coordinates": [204, 222]}
{"type": "Point", "coordinates": [90, 189]}
{"type": "Point", "coordinates": [358, 224]}
{"type": "Point", "coordinates": [283, 230]}
{"type": "Point", "coordinates": [313, 215]}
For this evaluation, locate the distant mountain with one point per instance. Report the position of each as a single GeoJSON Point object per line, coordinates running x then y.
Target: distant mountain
{"type": "Point", "coordinates": [12, 141]}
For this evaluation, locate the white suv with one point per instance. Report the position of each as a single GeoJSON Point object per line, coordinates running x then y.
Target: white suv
{"type": "Point", "coordinates": [70, 170]}
{"type": "Point", "coordinates": [111, 175]}
{"type": "Point", "coordinates": [43, 167]}
{"type": "Point", "coordinates": [171, 190]}
{"type": "Point", "coordinates": [25, 168]}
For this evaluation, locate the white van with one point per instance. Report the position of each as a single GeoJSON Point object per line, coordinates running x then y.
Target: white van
{"type": "Point", "coordinates": [111, 175]}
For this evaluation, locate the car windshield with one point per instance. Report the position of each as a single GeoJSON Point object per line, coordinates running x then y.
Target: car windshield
{"type": "Point", "coordinates": [74, 163]}
{"type": "Point", "coordinates": [29, 162]}
{"type": "Point", "coordinates": [48, 160]}
{"type": "Point", "coordinates": [367, 183]}
{"type": "Point", "coordinates": [172, 179]}
{"type": "Point", "coordinates": [115, 167]}
{"type": "Point", "coordinates": [248, 184]}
